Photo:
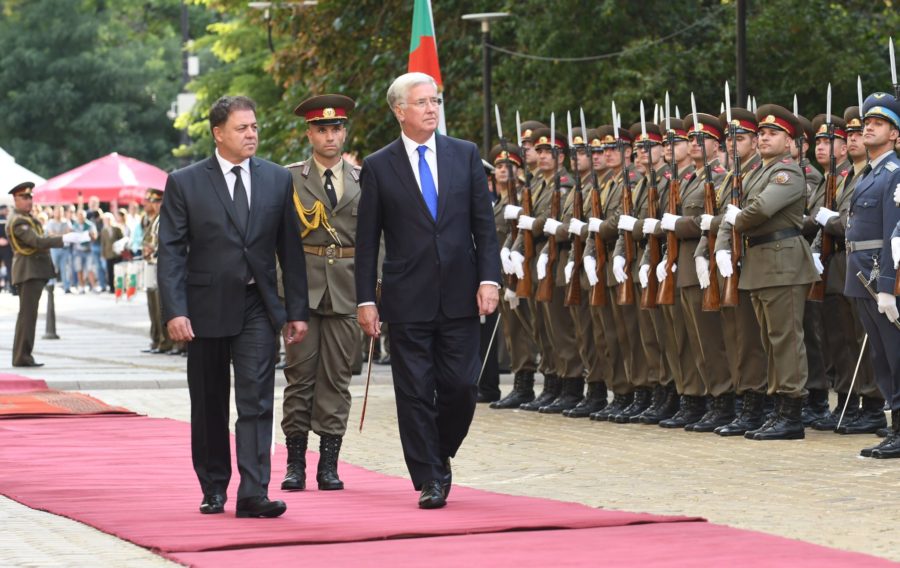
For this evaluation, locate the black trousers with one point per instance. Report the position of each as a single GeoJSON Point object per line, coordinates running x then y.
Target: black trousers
{"type": "Point", "coordinates": [435, 367]}
{"type": "Point", "coordinates": [252, 353]}
{"type": "Point", "coordinates": [490, 378]}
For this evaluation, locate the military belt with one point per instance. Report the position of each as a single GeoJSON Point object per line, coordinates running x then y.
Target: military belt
{"type": "Point", "coordinates": [331, 251]}
{"type": "Point", "coordinates": [853, 246]}
{"type": "Point", "coordinates": [771, 237]}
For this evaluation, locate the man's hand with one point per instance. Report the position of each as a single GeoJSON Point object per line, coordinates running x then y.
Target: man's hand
{"type": "Point", "coordinates": [887, 305]}
{"type": "Point", "coordinates": [895, 251]}
{"type": "Point", "coordinates": [594, 224]}
{"type": "Point", "coordinates": [590, 269]}
{"type": "Point", "coordinates": [488, 297]}
{"type": "Point", "coordinates": [705, 221]}
{"type": "Point", "coordinates": [576, 226]}
{"type": "Point", "coordinates": [542, 265]}
{"type": "Point", "coordinates": [619, 269]}
{"type": "Point", "coordinates": [668, 221]}
{"type": "Point", "coordinates": [701, 265]}
{"type": "Point", "coordinates": [367, 316]}
{"type": "Point", "coordinates": [550, 226]}
{"type": "Point", "coordinates": [294, 332]}
{"type": "Point", "coordinates": [180, 329]}
{"type": "Point", "coordinates": [518, 263]}
{"type": "Point", "coordinates": [731, 213]}
{"type": "Point", "coordinates": [723, 261]}
{"type": "Point", "coordinates": [817, 260]}
{"type": "Point", "coordinates": [626, 222]}
{"type": "Point", "coordinates": [511, 212]}
{"type": "Point", "coordinates": [644, 275]}
{"type": "Point", "coordinates": [525, 222]}
{"type": "Point", "coordinates": [505, 261]}
{"type": "Point", "coordinates": [650, 225]}
{"type": "Point", "coordinates": [824, 215]}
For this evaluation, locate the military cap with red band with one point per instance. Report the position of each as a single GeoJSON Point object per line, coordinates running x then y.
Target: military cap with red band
{"type": "Point", "coordinates": [654, 133]}
{"type": "Point", "coordinates": [541, 137]}
{"type": "Point", "coordinates": [528, 128]}
{"type": "Point", "coordinates": [677, 128]}
{"type": "Point", "coordinates": [326, 109]}
{"type": "Point", "coordinates": [512, 154]}
{"type": "Point", "coordinates": [708, 125]}
{"type": "Point", "coordinates": [820, 127]}
{"type": "Point", "coordinates": [853, 119]}
{"type": "Point", "coordinates": [743, 120]}
{"type": "Point", "coordinates": [778, 117]}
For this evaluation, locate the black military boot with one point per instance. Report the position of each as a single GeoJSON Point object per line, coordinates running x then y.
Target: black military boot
{"type": "Point", "coordinates": [868, 420]}
{"type": "Point", "coordinates": [656, 400]}
{"type": "Point", "coordinates": [770, 414]}
{"type": "Point", "coordinates": [751, 416]}
{"type": "Point", "coordinates": [666, 409]}
{"type": "Point", "coordinates": [594, 401]}
{"type": "Point", "coordinates": [722, 414]}
{"type": "Point", "coordinates": [523, 391]}
{"type": "Point", "coordinates": [830, 422]}
{"type": "Point", "coordinates": [890, 447]}
{"type": "Point", "coordinates": [295, 477]}
{"type": "Point", "coordinates": [640, 402]}
{"type": "Point", "coordinates": [571, 393]}
{"type": "Point", "coordinates": [691, 410]}
{"type": "Point", "coordinates": [619, 402]}
{"type": "Point", "coordinates": [815, 406]}
{"type": "Point", "coordinates": [327, 475]}
{"type": "Point", "coordinates": [787, 425]}
{"type": "Point", "coordinates": [548, 394]}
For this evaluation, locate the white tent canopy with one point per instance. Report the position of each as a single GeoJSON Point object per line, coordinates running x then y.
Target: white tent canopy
{"type": "Point", "coordinates": [12, 174]}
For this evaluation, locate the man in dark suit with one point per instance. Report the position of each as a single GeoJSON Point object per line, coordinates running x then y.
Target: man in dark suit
{"type": "Point", "coordinates": [427, 194]}
{"type": "Point", "coordinates": [222, 223]}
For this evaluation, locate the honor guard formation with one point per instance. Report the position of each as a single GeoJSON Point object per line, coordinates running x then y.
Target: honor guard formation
{"type": "Point", "coordinates": [698, 272]}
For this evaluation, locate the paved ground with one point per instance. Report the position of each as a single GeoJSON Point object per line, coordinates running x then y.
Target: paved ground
{"type": "Point", "coordinates": [816, 490]}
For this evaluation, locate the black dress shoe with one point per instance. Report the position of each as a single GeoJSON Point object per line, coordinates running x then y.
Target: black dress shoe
{"type": "Point", "coordinates": [482, 397]}
{"type": "Point", "coordinates": [447, 481]}
{"type": "Point", "coordinates": [259, 507]}
{"type": "Point", "coordinates": [150, 350]}
{"type": "Point", "coordinates": [213, 504]}
{"type": "Point", "coordinates": [31, 364]}
{"type": "Point", "coordinates": [432, 496]}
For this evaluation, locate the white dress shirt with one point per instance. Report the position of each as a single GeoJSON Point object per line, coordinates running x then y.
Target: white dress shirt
{"type": "Point", "coordinates": [230, 177]}
{"type": "Point", "coordinates": [412, 152]}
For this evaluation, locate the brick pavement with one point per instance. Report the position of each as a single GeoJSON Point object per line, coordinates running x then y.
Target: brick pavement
{"type": "Point", "coordinates": [816, 490]}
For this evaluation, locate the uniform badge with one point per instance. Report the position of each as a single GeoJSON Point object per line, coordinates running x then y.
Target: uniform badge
{"type": "Point", "coordinates": [782, 178]}
{"type": "Point", "coordinates": [890, 166]}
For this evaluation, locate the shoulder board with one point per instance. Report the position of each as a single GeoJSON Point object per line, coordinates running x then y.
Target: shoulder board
{"type": "Point", "coordinates": [295, 165]}
{"type": "Point", "coordinates": [808, 169]}
{"type": "Point", "coordinates": [718, 169]}
{"type": "Point", "coordinates": [632, 176]}
{"type": "Point", "coordinates": [667, 174]}
{"type": "Point", "coordinates": [354, 172]}
{"type": "Point", "coordinates": [890, 166]}
{"type": "Point", "coordinates": [564, 179]}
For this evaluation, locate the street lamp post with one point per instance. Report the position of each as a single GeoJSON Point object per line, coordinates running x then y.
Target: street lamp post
{"type": "Point", "coordinates": [486, 19]}
{"type": "Point", "coordinates": [267, 15]}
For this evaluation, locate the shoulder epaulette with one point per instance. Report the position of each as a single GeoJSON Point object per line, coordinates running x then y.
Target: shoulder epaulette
{"type": "Point", "coordinates": [890, 166]}
{"type": "Point", "coordinates": [667, 174]}
{"type": "Point", "coordinates": [295, 165]}
{"type": "Point", "coordinates": [354, 172]}
{"type": "Point", "coordinates": [844, 173]}
{"type": "Point", "coordinates": [756, 165]}
{"type": "Point", "coordinates": [687, 176]}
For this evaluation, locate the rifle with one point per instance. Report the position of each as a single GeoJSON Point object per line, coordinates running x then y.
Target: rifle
{"type": "Point", "coordinates": [654, 247]}
{"type": "Point", "coordinates": [525, 284]}
{"type": "Point", "coordinates": [598, 292]}
{"type": "Point", "coordinates": [573, 291]}
{"type": "Point", "coordinates": [512, 198]}
{"type": "Point", "coordinates": [711, 300]}
{"type": "Point", "coordinates": [817, 290]}
{"type": "Point", "coordinates": [545, 286]}
{"type": "Point", "coordinates": [666, 296]}
{"type": "Point", "coordinates": [625, 290]}
{"type": "Point", "coordinates": [730, 295]}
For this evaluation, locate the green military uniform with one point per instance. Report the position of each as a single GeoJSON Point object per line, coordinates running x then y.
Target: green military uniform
{"type": "Point", "coordinates": [318, 369]}
{"type": "Point", "coordinates": [159, 334]}
{"type": "Point", "coordinates": [31, 269]}
{"type": "Point", "coordinates": [777, 270]}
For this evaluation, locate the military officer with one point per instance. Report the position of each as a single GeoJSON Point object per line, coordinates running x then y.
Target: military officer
{"type": "Point", "coordinates": [777, 267]}
{"type": "Point", "coordinates": [318, 370]}
{"type": "Point", "coordinates": [31, 269]}
{"type": "Point", "coordinates": [873, 217]}
{"type": "Point", "coordinates": [159, 334]}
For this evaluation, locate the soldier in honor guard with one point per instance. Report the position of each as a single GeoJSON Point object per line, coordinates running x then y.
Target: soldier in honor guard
{"type": "Point", "coordinates": [516, 312]}
{"type": "Point", "coordinates": [873, 218]}
{"type": "Point", "coordinates": [800, 150]}
{"type": "Point", "coordinates": [704, 328]}
{"type": "Point", "coordinates": [742, 334]}
{"type": "Point", "coordinates": [31, 269]}
{"type": "Point", "coordinates": [841, 315]}
{"type": "Point", "coordinates": [318, 370]}
{"type": "Point", "coordinates": [531, 159]}
{"type": "Point", "coordinates": [159, 335]}
{"type": "Point", "coordinates": [777, 267]}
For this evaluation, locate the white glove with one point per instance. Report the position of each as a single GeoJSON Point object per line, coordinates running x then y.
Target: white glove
{"type": "Point", "coordinates": [550, 226]}
{"type": "Point", "coordinates": [705, 221]}
{"type": "Point", "coordinates": [668, 221]}
{"type": "Point", "coordinates": [897, 195]}
{"type": "Point", "coordinates": [702, 267]}
{"type": "Point", "coordinates": [619, 269]}
{"type": "Point", "coordinates": [511, 212]}
{"type": "Point", "coordinates": [626, 222]}
{"type": "Point", "coordinates": [542, 266]}
{"type": "Point", "coordinates": [817, 260]}
{"type": "Point", "coordinates": [644, 275]}
{"type": "Point", "coordinates": [887, 305]}
{"type": "Point", "coordinates": [119, 246]}
{"type": "Point", "coordinates": [511, 297]}
{"type": "Point", "coordinates": [824, 215]}
{"type": "Point", "coordinates": [731, 213]}
{"type": "Point", "coordinates": [568, 270]}
{"type": "Point", "coordinates": [590, 269]}
{"type": "Point", "coordinates": [71, 238]}
{"type": "Point", "coordinates": [895, 251]}
{"type": "Point", "coordinates": [661, 271]}
{"type": "Point", "coordinates": [576, 226]}
{"type": "Point", "coordinates": [505, 261]}
{"type": "Point", "coordinates": [723, 261]}
{"type": "Point", "coordinates": [525, 223]}
{"type": "Point", "coordinates": [518, 263]}
{"type": "Point", "coordinates": [650, 225]}
{"type": "Point", "coordinates": [594, 224]}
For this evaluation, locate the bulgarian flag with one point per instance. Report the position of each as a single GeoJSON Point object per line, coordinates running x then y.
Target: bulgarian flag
{"type": "Point", "coordinates": [423, 56]}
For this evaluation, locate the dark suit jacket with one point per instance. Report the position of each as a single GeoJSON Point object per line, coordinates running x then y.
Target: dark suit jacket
{"type": "Point", "coordinates": [429, 266]}
{"type": "Point", "coordinates": [203, 256]}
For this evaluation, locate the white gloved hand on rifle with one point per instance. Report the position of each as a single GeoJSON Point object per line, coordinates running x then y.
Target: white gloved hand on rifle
{"type": "Point", "coordinates": [650, 225]}
{"type": "Point", "coordinates": [619, 269]}
{"type": "Point", "coordinates": [511, 212]}
{"type": "Point", "coordinates": [705, 221]}
{"type": "Point", "coordinates": [518, 262]}
{"type": "Point", "coordinates": [824, 215]}
{"type": "Point", "coordinates": [542, 265]}
{"type": "Point", "coordinates": [731, 213]}
{"type": "Point", "coordinates": [701, 264]}
{"type": "Point", "coordinates": [505, 260]}
{"type": "Point", "coordinates": [568, 270]}
{"type": "Point", "coordinates": [626, 222]}
{"type": "Point", "coordinates": [644, 275]}
{"type": "Point", "coordinates": [817, 260]}
{"type": "Point", "coordinates": [668, 221]}
{"type": "Point", "coordinates": [550, 226]}
{"type": "Point", "coordinates": [723, 261]}
{"type": "Point", "coordinates": [576, 226]}
{"type": "Point", "coordinates": [525, 223]}
{"type": "Point", "coordinates": [594, 224]}
{"type": "Point", "coordinates": [590, 269]}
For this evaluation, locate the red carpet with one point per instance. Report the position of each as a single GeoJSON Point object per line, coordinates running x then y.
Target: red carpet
{"type": "Point", "coordinates": [18, 383]}
{"type": "Point", "coordinates": [663, 545]}
{"type": "Point", "coordinates": [133, 478]}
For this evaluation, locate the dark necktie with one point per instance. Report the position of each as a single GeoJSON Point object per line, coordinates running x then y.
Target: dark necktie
{"type": "Point", "coordinates": [866, 170]}
{"type": "Point", "coordinates": [329, 189]}
{"type": "Point", "coordinates": [241, 203]}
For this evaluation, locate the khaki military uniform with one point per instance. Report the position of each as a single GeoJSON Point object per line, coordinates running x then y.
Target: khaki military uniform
{"type": "Point", "coordinates": [31, 269]}
{"type": "Point", "coordinates": [159, 333]}
{"type": "Point", "coordinates": [318, 369]}
{"type": "Point", "coordinates": [747, 358]}
{"type": "Point", "coordinates": [777, 271]}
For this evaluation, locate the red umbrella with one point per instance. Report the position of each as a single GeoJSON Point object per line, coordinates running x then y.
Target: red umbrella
{"type": "Point", "coordinates": [111, 178]}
